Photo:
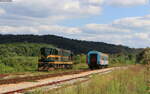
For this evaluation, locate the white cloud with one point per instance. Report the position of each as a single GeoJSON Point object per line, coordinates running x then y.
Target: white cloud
{"type": "Point", "coordinates": [105, 28]}
{"type": "Point", "coordinates": [144, 36]}
{"type": "Point", "coordinates": [72, 5]}
{"type": "Point", "coordinates": [17, 30]}
{"type": "Point", "coordinates": [131, 31]}
{"type": "Point", "coordinates": [55, 29]}
{"type": "Point", "coordinates": [96, 1]}
{"type": "Point", "coordinates": [93, 10]}
{"type": "Point", "coordinates": [40, 30]}
{"type": "Point", "coordinates": [126, 2]}
{"type": "Point", "coordinates": [134, 22]}
{"type": "Point", "coordinates": [2, 11]}
{"type": "Point", "coordinates": [45, 8]}
{"type": "Point", "coordinates": [47, 11]}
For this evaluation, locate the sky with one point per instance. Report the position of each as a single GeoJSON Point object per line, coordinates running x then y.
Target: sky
{"type": "Point", "coordinates": [120, 22]}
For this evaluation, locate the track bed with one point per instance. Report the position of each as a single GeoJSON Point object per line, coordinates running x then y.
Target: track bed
{"type": "Point", "coordinates": [28, 83]}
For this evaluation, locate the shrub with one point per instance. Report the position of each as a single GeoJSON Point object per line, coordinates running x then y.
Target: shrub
{"type": "Point", "coordinates": [123, 59]}
{"type": "Point", "coordinates": [6, 69]}
{"type": "Point", "coordinates": [144, 56]}
{"type": "Point", "coordinates": [18, 64]}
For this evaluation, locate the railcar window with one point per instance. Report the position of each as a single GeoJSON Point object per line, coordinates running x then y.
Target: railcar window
{"type": "Point", "coordinates": [106, 58]}
{"type": "Point", "coordinates": [102, 57]}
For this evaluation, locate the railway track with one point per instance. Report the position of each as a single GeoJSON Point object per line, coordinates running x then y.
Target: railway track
{"type": "Point", "coordinates": [12, 86]}
{"type": "Point", "coordinates": [32, 78]}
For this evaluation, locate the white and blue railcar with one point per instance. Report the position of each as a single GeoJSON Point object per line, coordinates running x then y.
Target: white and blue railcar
{"type": "Point", "coordinates": [96, 60]}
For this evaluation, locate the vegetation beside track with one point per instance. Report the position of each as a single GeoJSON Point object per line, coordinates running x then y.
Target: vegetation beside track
{"type": "Point", "coordinates": [19, 57]}
{"type": "Point", "coordinates": [18, 64]}
{"type": "Point", "coordinates": [131, 81]}
{"type": "Point", "coordinates": [23, 57]}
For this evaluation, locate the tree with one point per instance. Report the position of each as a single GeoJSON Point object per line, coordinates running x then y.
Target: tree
{"type": "Point", "coordinates": [144, 56]}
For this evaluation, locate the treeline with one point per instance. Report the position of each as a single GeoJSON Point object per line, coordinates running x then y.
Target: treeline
{"type": "Point", "coordinates": [142, 57]}
{"type": "Point", "coordinates": [77, 46]}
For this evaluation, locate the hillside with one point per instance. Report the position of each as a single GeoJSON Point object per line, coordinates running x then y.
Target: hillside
{"type": "Point", "coordinates": [77, 46]}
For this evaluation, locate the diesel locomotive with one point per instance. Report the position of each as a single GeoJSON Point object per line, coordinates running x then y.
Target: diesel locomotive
{"type": "Point", "coordinates": [53, 58]}
{"type": "Point", "coordinates": [97, 60]}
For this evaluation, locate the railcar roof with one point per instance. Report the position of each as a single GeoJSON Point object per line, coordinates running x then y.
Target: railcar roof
{"type": "Point", "coordinates": [97, 52]}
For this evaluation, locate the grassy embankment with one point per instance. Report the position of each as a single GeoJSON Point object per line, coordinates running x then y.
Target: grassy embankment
{"type": "Point", "coordinates": [129, 81]}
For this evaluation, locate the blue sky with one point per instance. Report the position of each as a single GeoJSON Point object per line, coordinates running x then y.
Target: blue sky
{"type": "Point", "coordinates": [109, 14]}
{"type": "Point", "coordinates": [125, 22]}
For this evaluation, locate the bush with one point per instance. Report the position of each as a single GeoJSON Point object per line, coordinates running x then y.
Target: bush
{"type": "Point", "coordinates": [6, 69]}
{"type": "Point", "coordinates": [123, 59]}
{"type": "Point", "coordinates": [144, 56]}
{"type": "Point", "coordinates": [18, 64]}
{"type": "Point", "coordinates": [80, 59]}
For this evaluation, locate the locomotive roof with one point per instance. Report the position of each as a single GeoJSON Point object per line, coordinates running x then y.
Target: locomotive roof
{"type": "Point", "coordinates": [59, 49]}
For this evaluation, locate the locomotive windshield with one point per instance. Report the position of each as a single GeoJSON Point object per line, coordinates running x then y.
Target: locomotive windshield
{"type": "Point", "coordinates": [49, 51]}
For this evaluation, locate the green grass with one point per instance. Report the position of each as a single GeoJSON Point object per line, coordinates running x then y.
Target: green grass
{"type": "Point", "coordinates": [80, 66]}
{"type": "Point", "coordinates": [18, 64]}
{"type": "Point", "coordinates": [130, 81]}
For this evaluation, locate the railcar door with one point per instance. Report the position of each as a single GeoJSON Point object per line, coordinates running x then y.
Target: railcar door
{"type": "Point", "coordinates": [93, 59]}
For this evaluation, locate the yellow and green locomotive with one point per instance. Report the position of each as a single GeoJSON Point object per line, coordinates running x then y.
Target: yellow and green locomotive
{"type": "Point", "coordinates": [53, 58]}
